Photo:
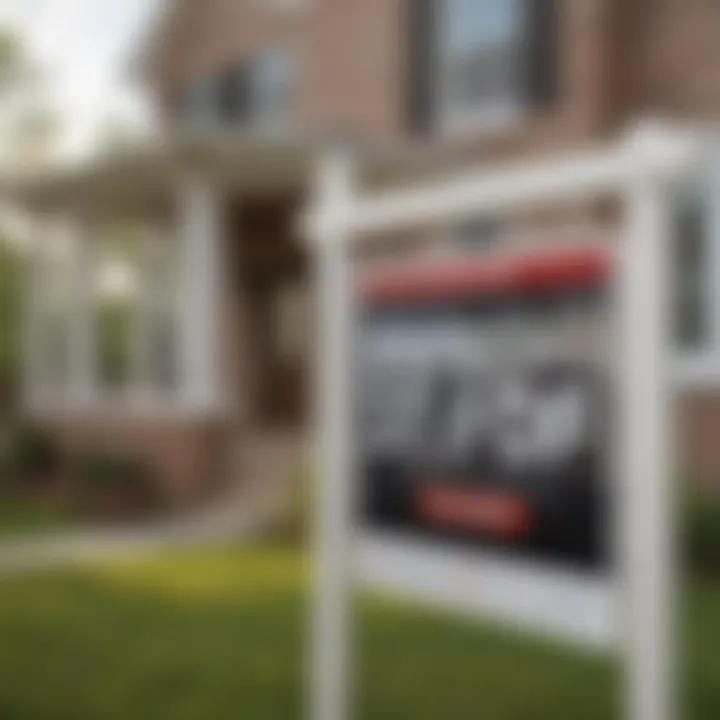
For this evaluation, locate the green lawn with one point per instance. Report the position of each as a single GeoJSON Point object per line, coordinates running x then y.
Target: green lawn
{"type": "Point", "coordinates": [220, 634]}
{"type": "Point", "coordinates": [25, 517]}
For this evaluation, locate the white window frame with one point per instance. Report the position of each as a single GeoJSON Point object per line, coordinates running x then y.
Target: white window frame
{"type": "Point", "coordinates": [491, 116]}
{"type": "Point", "coordinates": [195, 392]}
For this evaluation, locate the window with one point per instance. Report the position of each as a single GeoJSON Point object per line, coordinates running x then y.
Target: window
{"type": "Point", "coordinates": [480, 60]}
{"type": "Point", "coordinates": [199, 104]}
{"type": "Point", "coordinates": [256, 92]}
{"type": "Point", "coordinates": [161, 274]}
{"type": "Point", "coordinates": [54, 288]}
{"type": "Point", "coordinates": [478, 64]}
{"type": "Point", "coordinates": [135, 334]}
{"type": "Point", "coordinates": [696, 281]}
{"type": "Point", "coordinates": [689, 260]}
{"type": "Point", "coordinates": [478, 235]}
{"type": "Point", "coordinates": [272, 82]}
{"type": "Point", "coordinates": [114, 343]}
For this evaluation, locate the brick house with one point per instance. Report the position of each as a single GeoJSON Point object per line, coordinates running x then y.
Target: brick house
{"type": "Point", "coordinates": [249, 92]}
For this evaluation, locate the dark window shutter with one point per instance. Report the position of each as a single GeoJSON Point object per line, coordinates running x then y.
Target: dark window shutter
{"type": "Point", "coordinates": [422, 36]}
{"type": "Point", "coordinates": [542, 52]}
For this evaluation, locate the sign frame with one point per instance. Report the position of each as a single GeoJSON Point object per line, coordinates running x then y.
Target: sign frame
{"type": "Point", "coordinates": [639, 170]}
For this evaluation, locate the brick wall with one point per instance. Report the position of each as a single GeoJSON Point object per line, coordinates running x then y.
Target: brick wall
{"type": "Point", "coordinates": [353, 64]}
{"type": "Point", "coordinates": [619, 59]}
{"type": "Point", "coordinates": [188, 457]}
{"type": "Point", "coordinates": [680, 44]}
{"type": "Point", "coordinates": [349, 54]}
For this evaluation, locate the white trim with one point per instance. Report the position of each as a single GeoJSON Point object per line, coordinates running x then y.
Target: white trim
{"type": "Point", "coordinates": [199, 292]}
{"type": "Point", "coordinates": [572, 177]}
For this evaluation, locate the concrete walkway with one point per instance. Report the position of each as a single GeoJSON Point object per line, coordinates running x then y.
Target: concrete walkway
{"type": "Point", "coordinates": [26, 552]}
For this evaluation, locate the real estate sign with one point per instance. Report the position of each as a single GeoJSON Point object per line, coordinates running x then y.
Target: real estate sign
{"type": "Point", "coordinates": [483, 407]}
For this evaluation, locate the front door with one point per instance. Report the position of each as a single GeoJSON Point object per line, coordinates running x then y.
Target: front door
{"type": "Point", "coordinates": [273, 280]}
{"type": "Point", "coordinates": [284, 329]}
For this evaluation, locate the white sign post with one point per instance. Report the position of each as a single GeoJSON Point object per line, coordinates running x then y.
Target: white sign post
{"type": "Point", "coordinates": [645, 445]}
{"type": "Point", "coordinates": [332, 631]}
{"type": "Point", "coordinates": [637, 171]}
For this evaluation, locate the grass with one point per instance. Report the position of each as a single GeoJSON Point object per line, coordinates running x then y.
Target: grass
{"type": "Point", "coordinates": [219, 633]}
{"type": "Point", "coordinates": [23, 517]}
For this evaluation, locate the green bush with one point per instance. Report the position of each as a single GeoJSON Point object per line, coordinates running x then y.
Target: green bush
{"type": "Point", "coordinates": [112, 484]}
{"type": "Point", "coordinates": [32, 454]}
{"type": "Point", "coordinates": [700, 532]}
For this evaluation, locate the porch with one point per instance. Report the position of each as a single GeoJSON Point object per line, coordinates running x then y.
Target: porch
{"type": "Point", "coordinates": [221, 329]}
{"type": "Point", "coordinates": [208, 380]}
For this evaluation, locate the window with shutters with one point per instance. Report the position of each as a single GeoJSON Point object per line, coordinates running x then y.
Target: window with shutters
{"type": "Point", "coordinates": [477, 64]}
{"type": "Point", "coordinates": [256, 93]}
{"type": "Point", "coordinates": [480, 61]}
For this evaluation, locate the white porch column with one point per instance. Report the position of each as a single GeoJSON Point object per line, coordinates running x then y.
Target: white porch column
{"type": "Point", "coordinates": [200, 273]}
{"type": "Point", "coordinates": [82, 364]}
{"type": "Point", "coordinates": [33, 365]}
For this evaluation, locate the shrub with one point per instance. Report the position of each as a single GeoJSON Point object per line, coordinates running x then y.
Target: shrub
{"type": "Point", "coordinates": [112, 485]}
{"type": "Point", "coordinates": [700, 532]}
{"type": "Point", "coordinates": [33, 454]}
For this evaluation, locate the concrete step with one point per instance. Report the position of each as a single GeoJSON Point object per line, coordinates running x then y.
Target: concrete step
{"type": "Point", "coordinates": [270, 464]}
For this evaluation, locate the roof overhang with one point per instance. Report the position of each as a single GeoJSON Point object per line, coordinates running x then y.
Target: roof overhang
{"type": "Point", "coordinates": [147, 174]}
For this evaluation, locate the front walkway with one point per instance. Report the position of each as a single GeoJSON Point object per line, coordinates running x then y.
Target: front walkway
{"type": "Point", "coordinates": [27, 552]}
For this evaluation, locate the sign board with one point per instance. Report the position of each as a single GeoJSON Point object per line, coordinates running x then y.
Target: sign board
{"type": "Point", "coordinates": [483, 405]}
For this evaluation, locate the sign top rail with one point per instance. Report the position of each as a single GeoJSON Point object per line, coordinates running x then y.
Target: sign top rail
{"type": "Point", "coordinates": [651, 150]}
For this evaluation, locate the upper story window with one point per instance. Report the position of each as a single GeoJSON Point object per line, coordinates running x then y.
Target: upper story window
{"type": "Point", "coordinates": [272, 87]}
{"type": "Point", "coordinates": [257, 93]}
{"type": "Point", "coordinates": [480, 63]}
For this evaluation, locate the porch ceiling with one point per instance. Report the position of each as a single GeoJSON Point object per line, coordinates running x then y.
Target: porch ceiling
{"type": "Point", "coordinates": [143, 179]}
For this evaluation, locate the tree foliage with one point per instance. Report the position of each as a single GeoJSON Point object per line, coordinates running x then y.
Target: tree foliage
{"type": "Point", "coordinates": [11, 293]}
{"type": "Point", "coordinates": [28, 125]}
